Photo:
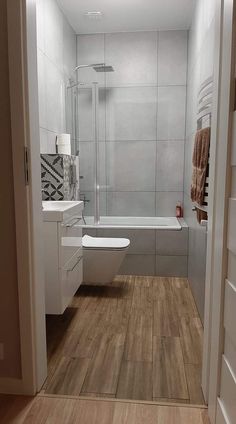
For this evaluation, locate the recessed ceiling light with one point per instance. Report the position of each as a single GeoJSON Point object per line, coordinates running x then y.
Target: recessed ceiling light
{"type": "Point", "coordinates": [93, 15]}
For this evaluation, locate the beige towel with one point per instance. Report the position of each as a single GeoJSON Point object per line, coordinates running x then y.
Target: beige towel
{"type": "Point", "coordinates": [200, 162]}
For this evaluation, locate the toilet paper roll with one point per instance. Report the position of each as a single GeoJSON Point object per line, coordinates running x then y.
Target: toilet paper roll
{"type": "Point", "coordinates": [63, 144]}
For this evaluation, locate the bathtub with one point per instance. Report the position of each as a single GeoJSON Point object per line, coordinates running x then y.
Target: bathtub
{"type": "Point", "coordinates": [133, 222]}
{"type": "Point", "coordinates": [159, 245]}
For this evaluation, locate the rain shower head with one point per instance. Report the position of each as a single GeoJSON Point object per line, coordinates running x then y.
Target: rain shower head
{"type": "Point", "coordinates": [103, 68]}
{"type": "Point", "coordinates": [98, 67]}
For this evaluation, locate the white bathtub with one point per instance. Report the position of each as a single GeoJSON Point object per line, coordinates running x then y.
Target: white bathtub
{"type": "Point", "coordinates": [158, 245]}
{"type": "Point", "coordinates": [134, 222]}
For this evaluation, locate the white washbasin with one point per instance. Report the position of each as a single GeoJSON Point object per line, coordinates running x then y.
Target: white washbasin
{"type": "Point", "coordinates": [62, 210]}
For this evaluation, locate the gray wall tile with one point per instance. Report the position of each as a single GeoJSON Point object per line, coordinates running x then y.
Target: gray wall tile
{"type": "Point", "coordinates": [173, 243]}
{"type": "Point", "coordinates": [131, 165]}
{"type": "Point", "coordinates": [138, 265]}
{"type": "Point", "coordinates": [170, 166]}
{"type": "Point", "coordinates": [141, 241]}
{"type": "Point", "coordinates": [87, 165]}
{"type": "Point", "coordinates": [172, 57]}
{"type": "Point", "coordinates": [85, 114]}
{"type": "Point", "coordinates": [172, 266]}
{"type": "Point", "coordinates": [133, 56]}
{"type": "Point", "coordinates": [171, 113]}
{"type": "Point", "coordinates": [89, 207]}
{"type": "Point", "coordinates": [90, 49]}
{"type": "Point", "coordinates": [131, 203]}
{"type": "Point", "coordinates": [166, 202]}
{"type": "Point", "coordinates": [131, 113]}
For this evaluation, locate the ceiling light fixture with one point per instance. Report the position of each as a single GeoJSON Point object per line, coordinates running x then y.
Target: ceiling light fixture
{"type": "Point", "coordinates": [93, 15]}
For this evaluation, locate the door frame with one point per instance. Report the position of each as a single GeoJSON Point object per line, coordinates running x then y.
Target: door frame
{"type": "Point", "coordinates": [217, 250]}
{"type": "Point", "coordinates": [22, 52]}
{"type": "Point", "coordinates": [25, 133]}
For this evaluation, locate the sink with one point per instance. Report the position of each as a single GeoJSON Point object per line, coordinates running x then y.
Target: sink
{"type": "Point", "coordinates": [62, 210]}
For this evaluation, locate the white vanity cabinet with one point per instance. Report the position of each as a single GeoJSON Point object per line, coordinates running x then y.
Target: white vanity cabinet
{"type": "Point", "coordinates": [63, 256]}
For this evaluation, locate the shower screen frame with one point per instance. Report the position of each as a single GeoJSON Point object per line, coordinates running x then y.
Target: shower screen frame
{"type": "Point", "coordinates": [75, 129]}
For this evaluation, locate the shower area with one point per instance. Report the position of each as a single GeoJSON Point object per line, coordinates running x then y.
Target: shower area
{"type": "Point", "coordinates": [126, 112]}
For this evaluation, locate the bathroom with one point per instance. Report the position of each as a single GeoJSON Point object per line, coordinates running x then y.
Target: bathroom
{"type": "Point", "coordinates": [124, 95]}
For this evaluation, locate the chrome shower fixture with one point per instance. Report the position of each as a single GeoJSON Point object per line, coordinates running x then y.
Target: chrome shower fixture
{"type": "Point", "coordinates": [98, 67]}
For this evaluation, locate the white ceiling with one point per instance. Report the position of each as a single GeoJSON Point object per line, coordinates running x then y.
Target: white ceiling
{"type": "Point", "coordinates": [128, 15]}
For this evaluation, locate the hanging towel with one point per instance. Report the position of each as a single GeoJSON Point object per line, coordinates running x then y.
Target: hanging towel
{"type": "Point", "coordinates": [200, 162]}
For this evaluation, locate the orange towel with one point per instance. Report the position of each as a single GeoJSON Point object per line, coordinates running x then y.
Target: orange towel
{"type": "Point", "coordinates": [200, 162]}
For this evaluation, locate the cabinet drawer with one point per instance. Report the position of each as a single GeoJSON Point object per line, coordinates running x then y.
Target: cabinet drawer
{"type": "Point", "coordinates": [228, 391]}
{"type": "Point", "coordinates": [72, 277]}
{"type": "Point", "coordinates": [229, 310]}
{"type": "Point", "coordinates": [70, 240]}
{"type": "Point", "coordinates": [221, 414]}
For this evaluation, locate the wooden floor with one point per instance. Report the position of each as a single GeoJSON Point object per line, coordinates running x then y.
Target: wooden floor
{"type": "Point", "coordinates": [58, 410]}
{"type": "Point", "coordinates": [138, 338]}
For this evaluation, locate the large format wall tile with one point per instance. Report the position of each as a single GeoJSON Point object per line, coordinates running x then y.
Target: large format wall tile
{"type": "Point", "coordinates": [40, 13]}
{"type": "Point", "coordinates": [131, 113]}
{"type": "Point", "coordinates": [69, 49]}
{"type": "Point", "coordinates": [86, 112]}
{"type": "Point", "coordinates": [130, 203]}
{"type": "Point", "coordinates": [56, 42]}
{"type": "Point", "coordinates": [167, 201]}
{"type": "Point", "coordinates": [172, 57]}
{"type": "Point", "coordinates": [87, 165]}
{"type": "Point", "coordinates": [90, 49]}
{"type": "Point", "coordinates": [138, 265]}
{"type": "Point", "coordinates": [42, 90]}
{"type": "Point", "coordinates": [54, 33]}
{"type": "Point", "coordinates": [171, 113]}
{"type": "Point", "coordinates": [141, 241]}
{"type": "Point", "coordinates": [131, 166]}
{"type": "Point", "coordinates": [172, 266]}
{"type": "Point", "coordinates": [90, 205]}
{"type": "Point", "coordinates": [55, 98]}
{"type": "Point", "coordinates": [173, 243]}
{"type": "Point", "coordinates": [133, 56]}
{"type": "Point", "coordinates": [170, 166]}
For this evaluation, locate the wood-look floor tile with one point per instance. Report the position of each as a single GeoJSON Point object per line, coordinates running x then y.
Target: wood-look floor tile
{"type": "Point", "coordinates": [135, 414]}
{"type": "Point", "coordinates": [179, 415]}
{"type": "Point", "coordinates": [143, 293]}
{"type": "Point", "coordinates": [162, 288]}
{"type": "Point", "coordinates": [138, 344]}
{"type": "Point", "coordinates": [102, 376]}
{"type": "Point", "coordinates": [193, 375]}
{"type": "Point", "coordinates": [191, 339]}
{"type": "Point", "coordinates": [164, 318]}
{"type": "Point", "coordinates": [93, 412]}
{"type": "Point", "coordinates": [172, 400]}
{"type": "Point", "coordinates": [135, 381]}
{"type": "Point", "coordinates": [69, 378]}
{"type": "Point", "coordinates": [14, 409]}
{"type": "Point", "coordinates": [184, 302]}
{"type": "Point", "coordinates": [130, 313]}
{"type": "Point", "coordinates": [50, 410]}
{"type": "Point", "coordinates": [169, 380]}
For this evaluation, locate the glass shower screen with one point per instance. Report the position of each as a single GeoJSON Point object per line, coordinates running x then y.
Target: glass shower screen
{"type": "Point", "coordinates": [86, 123]}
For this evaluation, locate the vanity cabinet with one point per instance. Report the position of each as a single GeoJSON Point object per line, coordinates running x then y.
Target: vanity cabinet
{"type": "Point", "coordinates": [63, 262]}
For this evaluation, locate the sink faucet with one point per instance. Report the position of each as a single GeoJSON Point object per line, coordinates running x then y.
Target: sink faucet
{"type": "Point", "coordinates": [83, 198]}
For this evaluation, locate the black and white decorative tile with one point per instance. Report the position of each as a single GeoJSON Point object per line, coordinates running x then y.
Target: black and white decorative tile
{"type": "Point", "coordinates": [59, 176]}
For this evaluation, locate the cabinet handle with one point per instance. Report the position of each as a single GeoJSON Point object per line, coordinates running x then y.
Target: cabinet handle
{"type": "Point", "coordinates": [79, 259]}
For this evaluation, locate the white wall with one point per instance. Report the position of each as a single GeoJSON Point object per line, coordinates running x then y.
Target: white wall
{"type": "Point", "coordinates": [200, 67]}
{"type": "Point", "coordinates": [56, 60]}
